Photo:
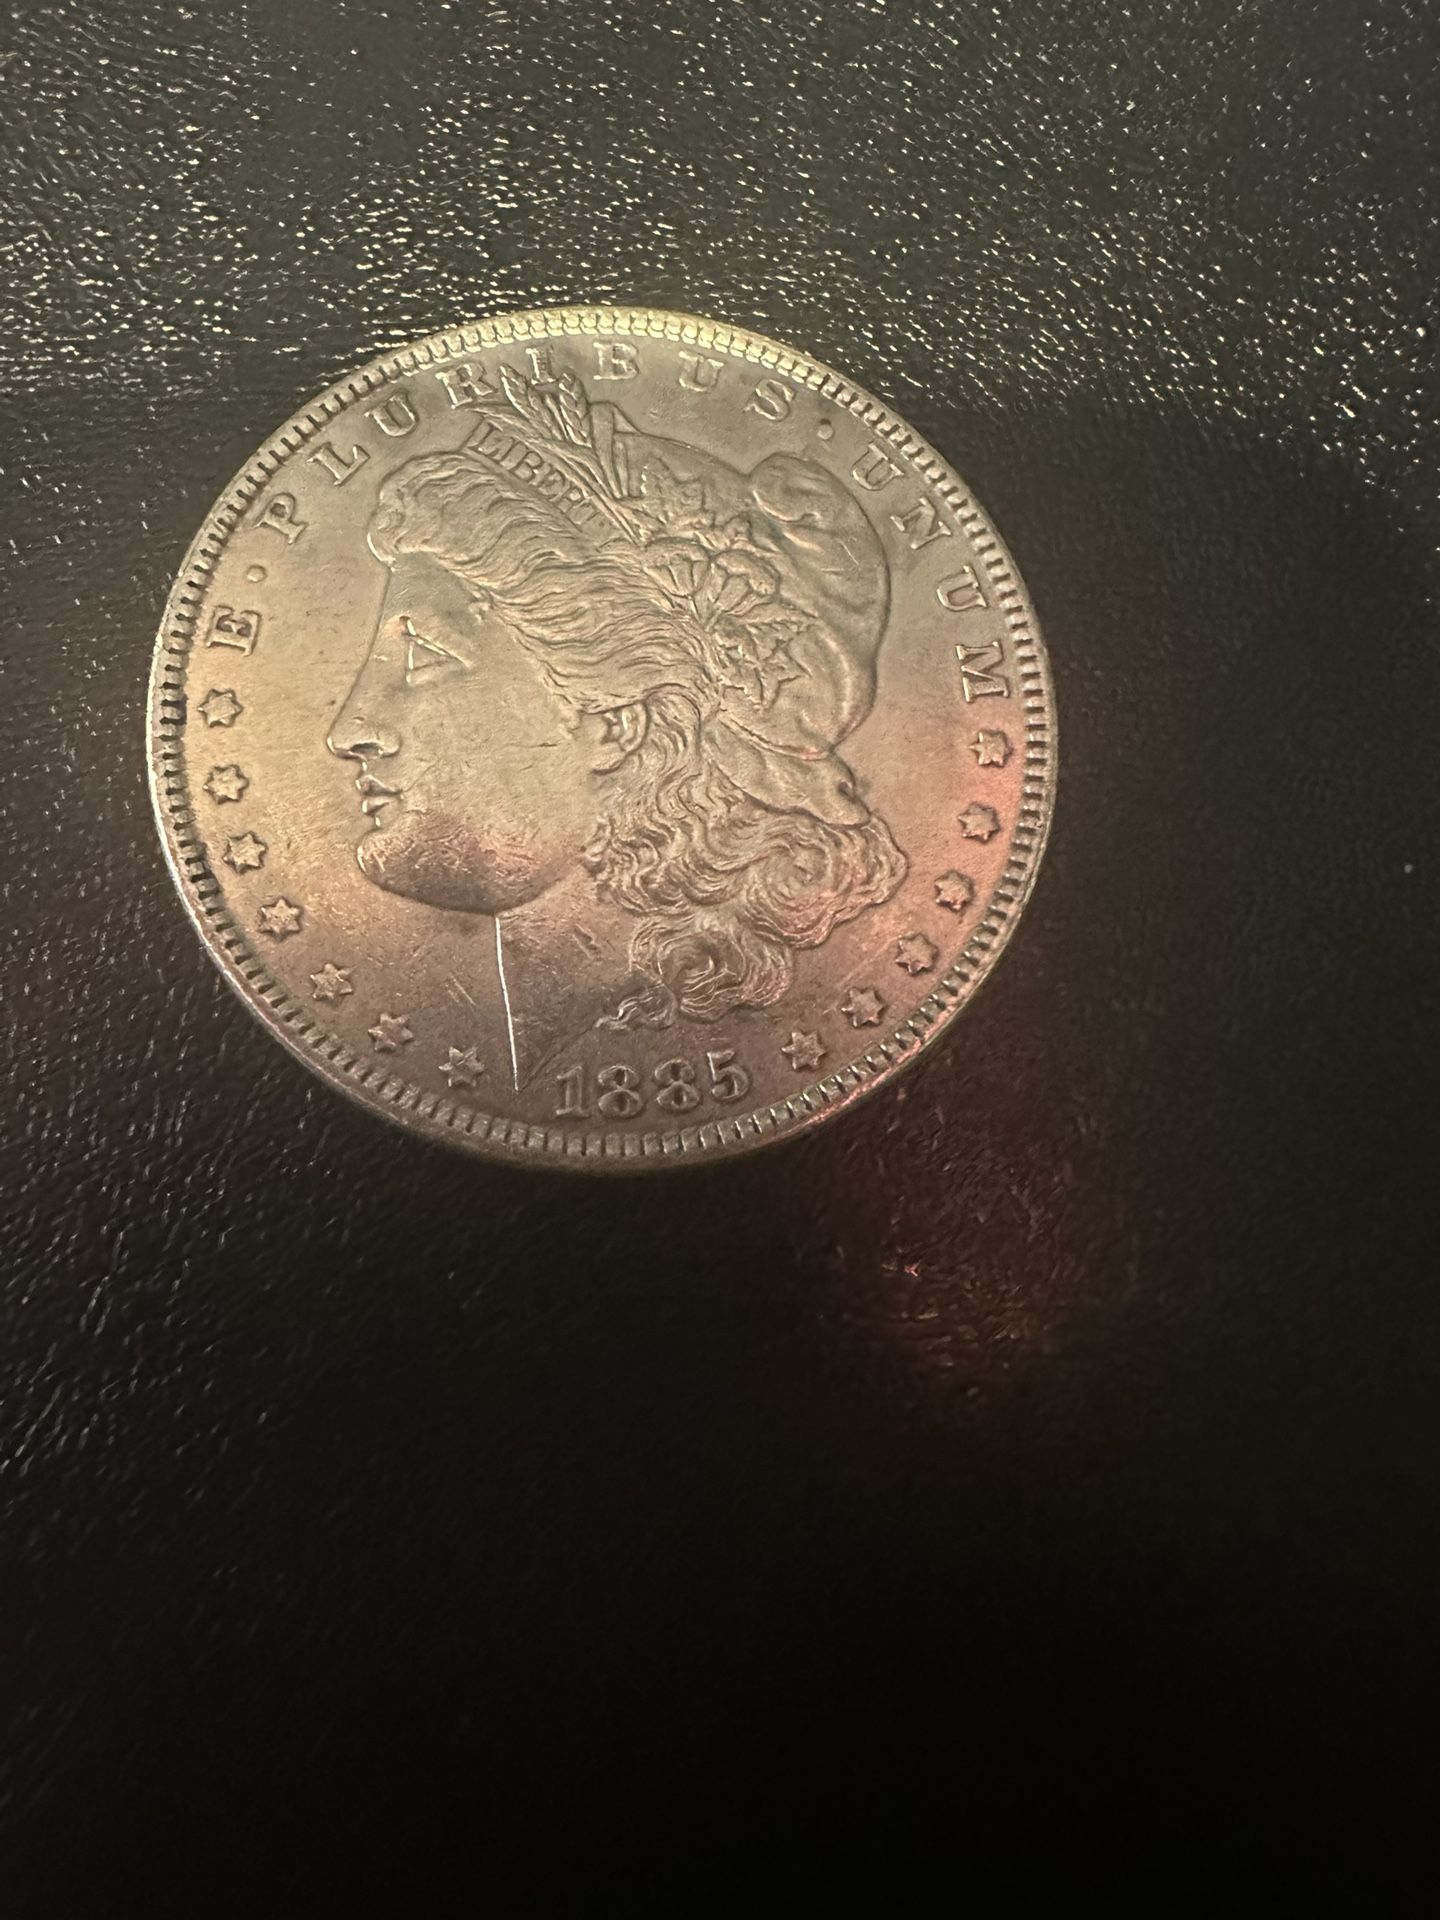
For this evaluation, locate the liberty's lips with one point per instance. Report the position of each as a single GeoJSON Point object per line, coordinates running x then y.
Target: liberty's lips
{"type": "Point", "coordinates": [374, 793]}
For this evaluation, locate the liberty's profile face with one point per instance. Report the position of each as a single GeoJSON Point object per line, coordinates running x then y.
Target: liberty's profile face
{"type": "Point", "coordinates": [480, 786]}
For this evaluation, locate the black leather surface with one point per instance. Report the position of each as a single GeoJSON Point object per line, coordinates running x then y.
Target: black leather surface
{"type": "Point", "coordinates": [1030, 1478]}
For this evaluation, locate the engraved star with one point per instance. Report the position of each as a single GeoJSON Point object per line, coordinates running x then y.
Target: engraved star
{"type": "Point", "coordinates": [804, 1050]}
{"type": "Point", "coordinates": [220, 708]}
{"type": "Point", "coordinates": [280, 918]}
{"type": "Point", "coordinates": [245, 852]}
{"type": "Point", "coordinates": [979, 822]}
{"type": "Point", "coordinates": [461, 1069]}
{"type": "Point", "coordinates": [391, 1032]}
{"type": "Point", "coordinates": [225, 783]}
{"type": "Point", "coordinates": [863, 1007]}
{"type": "Point", "coordinates": [954, 890]}
{"type": "Point", "coordinates": [915, 953]}
{"type": "Point", "coordinates": [990, 749]}
{"type": "Point", "coordinates": [332, 982]}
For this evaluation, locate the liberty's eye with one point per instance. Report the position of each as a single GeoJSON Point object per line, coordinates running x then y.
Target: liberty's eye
{"type": "Point", "coordinates": [423, 655]}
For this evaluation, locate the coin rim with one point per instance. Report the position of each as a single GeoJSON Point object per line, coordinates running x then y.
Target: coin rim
{"type": "Point", "coordinates": [512, 1140]}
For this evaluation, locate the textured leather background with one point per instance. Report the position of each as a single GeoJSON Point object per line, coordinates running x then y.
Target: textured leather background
{"type": "Point", "coordinates": [1032, 1477]}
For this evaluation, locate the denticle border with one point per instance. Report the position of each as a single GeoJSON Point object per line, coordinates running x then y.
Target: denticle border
{"type": "Point", "coordinates": [516, 1140]}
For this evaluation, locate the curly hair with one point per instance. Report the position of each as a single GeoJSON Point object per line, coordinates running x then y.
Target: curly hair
{"type": "Point", "coordinates": [723, 887]}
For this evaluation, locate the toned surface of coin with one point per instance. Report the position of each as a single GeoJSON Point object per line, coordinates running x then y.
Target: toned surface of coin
{"type": "Point", "coordinates": [600, 737]}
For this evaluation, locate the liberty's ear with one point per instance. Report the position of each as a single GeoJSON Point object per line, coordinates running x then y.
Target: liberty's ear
{"type": "Point", "coordinates": [616, 734]}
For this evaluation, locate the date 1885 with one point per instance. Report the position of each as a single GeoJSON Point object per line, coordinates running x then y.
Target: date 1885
{"type": "Point", "coordinates": [675, 1086]}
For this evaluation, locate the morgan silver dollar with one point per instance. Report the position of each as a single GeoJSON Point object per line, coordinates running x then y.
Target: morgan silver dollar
{"type": "Point", "coordinates": [601, 738]}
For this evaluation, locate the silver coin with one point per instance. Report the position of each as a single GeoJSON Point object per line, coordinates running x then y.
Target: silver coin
{"type": "Point", "coordinates": [601, 738]}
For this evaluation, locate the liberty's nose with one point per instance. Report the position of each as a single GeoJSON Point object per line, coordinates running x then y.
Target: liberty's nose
{"type": "Point", "coordinates": [356, 734]}
{"type": "Point", "coordinates": [363, 729]}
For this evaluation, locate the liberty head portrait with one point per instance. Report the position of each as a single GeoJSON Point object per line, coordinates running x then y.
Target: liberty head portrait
{"type": "Point", "coordinates": [603, 706]}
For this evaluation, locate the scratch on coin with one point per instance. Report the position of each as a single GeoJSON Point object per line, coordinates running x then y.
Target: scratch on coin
{"type": "Point", "coordinates": [458, 991]}
{"type": "Point", "coordinates": [505, 997]}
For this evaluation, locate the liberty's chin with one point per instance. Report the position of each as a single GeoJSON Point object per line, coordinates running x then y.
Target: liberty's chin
{"type": "Point", "coordinates": [445, 863]}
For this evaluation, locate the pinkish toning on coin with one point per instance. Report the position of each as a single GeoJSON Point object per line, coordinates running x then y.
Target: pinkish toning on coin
{"type": "Point", "coordinates": [601, 738]}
